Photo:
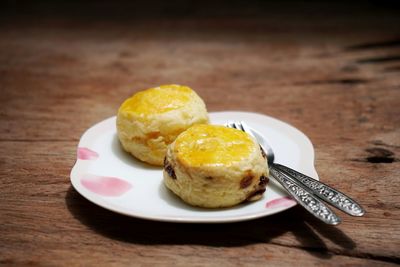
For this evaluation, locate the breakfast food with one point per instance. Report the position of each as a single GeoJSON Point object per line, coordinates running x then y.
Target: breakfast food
{"type": "Point", "coordinates": [151, 119]}
{"type": "Point", "coordinates": [214, 166]}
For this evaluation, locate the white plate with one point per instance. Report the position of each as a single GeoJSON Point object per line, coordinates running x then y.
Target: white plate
{"type": "Point", "coordinates": [112, 179]}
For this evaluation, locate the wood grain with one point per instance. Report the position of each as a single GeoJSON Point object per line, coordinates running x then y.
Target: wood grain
{"type": "Point", "coordinates": [333, 75]}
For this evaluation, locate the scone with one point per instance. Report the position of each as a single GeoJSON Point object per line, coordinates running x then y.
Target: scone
{"type": "Point", "coordinates": [214, 166]}
{"type": "Point", "coordinates": [151, 119]}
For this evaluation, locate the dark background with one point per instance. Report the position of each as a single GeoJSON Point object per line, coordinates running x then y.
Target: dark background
{"type": "Point", "coordinates": [188, 9]}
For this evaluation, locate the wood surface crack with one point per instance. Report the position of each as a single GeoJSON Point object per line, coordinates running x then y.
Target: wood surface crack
{"type": "Point", "coordinates": [374, 60]}
{"type": "Point", "coordinates": [381, 143]}
{"type": "Point", "coordinates": [377, 155]}
{"type": "Point", "coordinates": [347, 81]}
{"type": "Point", "coordinates": [375, 45]}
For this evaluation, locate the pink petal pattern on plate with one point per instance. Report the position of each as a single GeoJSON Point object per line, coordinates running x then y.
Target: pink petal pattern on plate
{"type": "Point", "coordinates": [280, 202]}
{"type": "Point", "coordinates": [86, 154]}
{"type": "Point", "coordinates": [105, 186]}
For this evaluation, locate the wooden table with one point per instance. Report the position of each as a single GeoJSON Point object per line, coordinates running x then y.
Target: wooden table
{"type": "Point", "coordinates": [332, 71]}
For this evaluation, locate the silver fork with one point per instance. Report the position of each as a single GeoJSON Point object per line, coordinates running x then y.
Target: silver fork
{"type": "Point", "coordinates": [307, 191]}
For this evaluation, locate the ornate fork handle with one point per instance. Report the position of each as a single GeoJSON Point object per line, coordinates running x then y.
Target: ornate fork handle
{"type": "Point", "coordinates": [311, 203]}
{"type": "Point", "coordinates": [325, 192]}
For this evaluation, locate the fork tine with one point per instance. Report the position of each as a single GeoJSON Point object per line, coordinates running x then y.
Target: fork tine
{"type": "Point", "coordinates": [238, 126]}
{"type": "Point", "coordinates": [247, 129]}
{"type": "Point", "coordinates": [230, 124]}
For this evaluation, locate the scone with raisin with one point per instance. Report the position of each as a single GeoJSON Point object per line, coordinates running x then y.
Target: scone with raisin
{"type": "Point", "coordinates": [214, 166]}
{"type": "Point", "coordinates": [151, 119]}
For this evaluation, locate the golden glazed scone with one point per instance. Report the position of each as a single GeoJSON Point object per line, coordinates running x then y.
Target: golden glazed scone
{"type": "Point", "coordinates": [151, 119]}
{"type": "Point", "coordinates": [214, 166]}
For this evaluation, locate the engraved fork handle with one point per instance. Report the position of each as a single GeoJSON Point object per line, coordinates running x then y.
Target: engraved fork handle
{"type": "Point", "coordinates": [325, 192]}
{"type": "Point", "coordinates": [305, 198]}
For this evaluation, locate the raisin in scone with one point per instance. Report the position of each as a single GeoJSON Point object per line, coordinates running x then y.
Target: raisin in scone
{"type": "Point", "coordinates": [151, 119]}
{"type": "Point", "coordinates": [214, 166]}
